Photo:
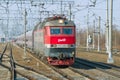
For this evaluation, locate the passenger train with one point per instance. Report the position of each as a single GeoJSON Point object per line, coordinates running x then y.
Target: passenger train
{"type": "Point", "coordinates": [54, 39]}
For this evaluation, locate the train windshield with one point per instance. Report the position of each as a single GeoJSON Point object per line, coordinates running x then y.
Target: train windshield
{"type": "Point", "coordinates": [67, 31]}
{"type": "Point", "coordinates": [55, 30]}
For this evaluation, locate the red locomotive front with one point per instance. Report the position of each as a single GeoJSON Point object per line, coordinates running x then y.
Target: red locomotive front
{"type": "Point", "coordinates": [59, 40]}
{"type": "Point", "coordinates": [54, 40]}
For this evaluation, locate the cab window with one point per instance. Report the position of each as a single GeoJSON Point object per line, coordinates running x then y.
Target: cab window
{"type": "Point", "coordinates": [67, 31]}
{"type": "Point", "coordinates": [55, 30]}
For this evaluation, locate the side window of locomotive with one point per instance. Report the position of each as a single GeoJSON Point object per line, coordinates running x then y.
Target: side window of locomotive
{"type": "Point", "coordinates": [67, 31]}
{"type": "Point", "coordinates": [55, 30]}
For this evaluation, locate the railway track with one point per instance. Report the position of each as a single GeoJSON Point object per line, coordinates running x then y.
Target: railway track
{"type": "Point", "coordinates": [64, 71]}
{"type": "Point", "coordinates": [59, 70]}
{"type": "Point", "coordinates": [68, 73]}
{"type": "Point", "coordinates": [96, 71]}
{"type": "Point", "coordinates": [74, 73]}
{"type": "Point", "coordinates": [12, 66]}
{"type": "Point", "coordinates": [101, 52]}
{"type": "Point", "coordinates": [80, 70]}
{"type": "Point", "coordinates": [43, 68]}
{"type": "Point", "coordinates": [14, 69]}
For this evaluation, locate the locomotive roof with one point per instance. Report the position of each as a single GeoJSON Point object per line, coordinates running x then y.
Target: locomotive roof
{"type": "Point", "coordinates": [54, 21]}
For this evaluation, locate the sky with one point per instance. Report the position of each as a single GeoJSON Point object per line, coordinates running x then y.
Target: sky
{"type": "Point", "coordinates": [79, 13]}
{"type": "Point", "coordinates": [98, 10]}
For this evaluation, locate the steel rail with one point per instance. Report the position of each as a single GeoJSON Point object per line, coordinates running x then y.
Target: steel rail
{"type": "Point", "coordinates": [97, 66]}
{"type": "Point", "coordinates": [1, 56]}
{"type": "Point", "coordinates": [13, 66]}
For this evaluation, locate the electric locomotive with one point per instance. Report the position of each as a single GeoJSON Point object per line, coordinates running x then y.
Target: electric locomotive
{"type": "Point", "coordinates": [55, 39]}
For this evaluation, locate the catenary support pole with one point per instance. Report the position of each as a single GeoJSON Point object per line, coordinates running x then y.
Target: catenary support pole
{"type": "Point", "coordinates": [25, 23]}
{"type": "Point", "coordinates": [93, 34]}
{"type": "Point", "coordinates": [99, 34]}
{"type": "Point", "coordinates": [107, 28]}
{"type": "Point", "coordinates": [70, 12]}
{"type": "Point", "coordinates": [87, 45]}
{"type": "Point", "coordinates": [110, 59]}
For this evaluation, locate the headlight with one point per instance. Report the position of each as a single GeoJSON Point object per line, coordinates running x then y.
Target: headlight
{"type": "Point", "coordinates": [61, 21]}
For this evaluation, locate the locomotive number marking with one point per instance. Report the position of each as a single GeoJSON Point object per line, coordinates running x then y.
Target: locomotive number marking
{"type": "Point", "coordinates": [62, 40]}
